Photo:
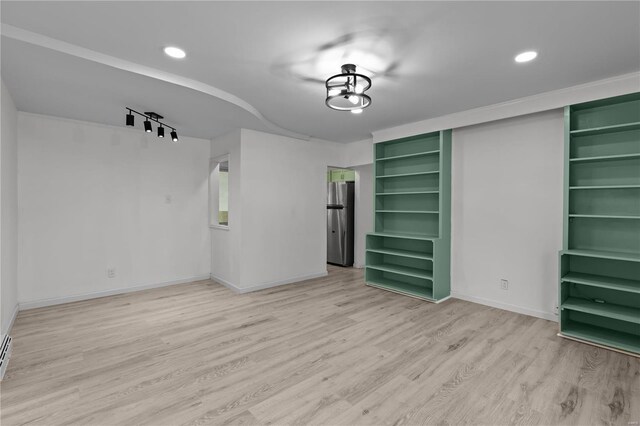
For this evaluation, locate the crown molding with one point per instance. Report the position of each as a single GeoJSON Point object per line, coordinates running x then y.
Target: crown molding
{"type": "Point", "coordinates": [619, 85]}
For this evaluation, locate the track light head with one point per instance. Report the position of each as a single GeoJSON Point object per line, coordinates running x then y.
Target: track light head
{"type": "Point", "coordinates": [161, 132]}
{"type": "Point", "coordinates": [174, 136]}
{"type": "Point", "coordinates": [147, 126]}
{"type": "Point", "coordinates": [130, 119]}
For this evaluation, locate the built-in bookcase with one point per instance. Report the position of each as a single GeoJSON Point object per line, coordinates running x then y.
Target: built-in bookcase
{"type": "Point", "coordinates": [409, 252]}
{"type": "Point", "coordinates": [600, 260]}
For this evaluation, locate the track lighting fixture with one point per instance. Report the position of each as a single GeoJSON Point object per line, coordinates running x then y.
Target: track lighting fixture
{"type": "Point", "coordinates": [130, 119]}
{"type": "Point", "coordinates": [148, 118]}
{"type": "Point", "coordinates": [345, 91]}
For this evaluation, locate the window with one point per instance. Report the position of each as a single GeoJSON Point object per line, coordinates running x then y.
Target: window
{"type": "Point", "coordinates": [219, 192]}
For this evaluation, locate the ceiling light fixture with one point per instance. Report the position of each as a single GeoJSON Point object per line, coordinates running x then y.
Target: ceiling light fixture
{"type": "Point", "coordinates": [346, 91]}
{"type": "Point", "coordinates": [148, 118]}
{"type": "Point", "coordinates": [174, 52]}
{"type": "Point", "coordinates": [526, 56]}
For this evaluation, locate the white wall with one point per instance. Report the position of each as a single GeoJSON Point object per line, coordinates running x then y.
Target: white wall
{"type": "Point", "coordinates": [284, 183]}
{"type": "Point", "coordinates": [8, 212]}
{"type": "Point", "coordinates": [93, 197]}
{"type": "Point", "coordinates": [357, 153]}
{"type": "Point", "coordinates": [507, 212]}
{"type": "Point", "coordinates": [363, 211]}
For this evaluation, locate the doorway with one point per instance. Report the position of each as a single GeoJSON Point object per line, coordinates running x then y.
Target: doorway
{"type": "Point", "coordinates": [340, 216]}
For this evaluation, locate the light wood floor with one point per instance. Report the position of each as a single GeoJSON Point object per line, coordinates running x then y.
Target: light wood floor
{"type": "Point", "coordinates": [328, 351]}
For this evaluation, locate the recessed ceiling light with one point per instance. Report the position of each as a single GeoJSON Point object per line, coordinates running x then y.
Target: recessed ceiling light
{"type": "Point", "coordinates": [526, 56]}
{"type": "Point", "coordinates": [175, 52]}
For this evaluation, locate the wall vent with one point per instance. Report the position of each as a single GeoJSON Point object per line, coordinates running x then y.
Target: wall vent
{"type": "Point", "coordinates": [5, 353]}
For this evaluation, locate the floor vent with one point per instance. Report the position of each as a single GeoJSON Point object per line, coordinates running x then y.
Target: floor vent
{"type": "Point", "coordinates": [5, 353]}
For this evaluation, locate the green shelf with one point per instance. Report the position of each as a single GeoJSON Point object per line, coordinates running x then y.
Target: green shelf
{"type": "Point", "coordinates": [611, 283]}
{"type": "Point", "coordinates": [409, 211]}
{"type": "Point", "coordinates": [606, 129]}
{"type": "Point", "coordinates": [417, 154]}
{"type": "Point", "coordinates": [605, 158]}
{"type": "Point", "coordinates": [599, 279]}
{"type": "Point", "coordinates": [408, 236]}
{"type": "Point", "coordinates": [604, 187]}
{"type": "Point", "coordinates": [408, 174]}
{"type": "Point", "coordinates": [614, 255]}
{"type": "Point", "coordinates": [603, 216]}
{"type": "Point", "coordinates": [402, 288]}
{"type": "Point", "coordinates": [403, 253]}
{"type": "Point", "coordinates": [619, 312]}
{"type": "Point", "coordinates": [407, 193]}
{"type": "Point", "coordinates": [602, 336]}
{"type": "Point", "coordinates": [409, 251]}
{"type": "Point", "coordinates": [403, 270]}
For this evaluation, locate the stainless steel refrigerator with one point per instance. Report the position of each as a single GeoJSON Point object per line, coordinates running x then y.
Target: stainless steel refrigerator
{"type": "Point", "coordinates": [340, 223]}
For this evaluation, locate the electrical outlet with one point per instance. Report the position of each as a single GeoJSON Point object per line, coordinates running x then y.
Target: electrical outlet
{"type": "Point", "coordinates": [111, 273]}
{"type": "Point", "coordinates": [504, 284]}
{"type": "Point", "coordinates": [555, 309]}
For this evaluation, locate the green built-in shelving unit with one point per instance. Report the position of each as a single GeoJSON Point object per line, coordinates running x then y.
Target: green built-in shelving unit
{"type": "Point", "coordinates": [409, 252]}
{"type": "Point", "coordinates": [600, 261]}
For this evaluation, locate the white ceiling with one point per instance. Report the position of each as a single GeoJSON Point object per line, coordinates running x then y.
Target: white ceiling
{"type": "Point", "coordinates": [427, 59]}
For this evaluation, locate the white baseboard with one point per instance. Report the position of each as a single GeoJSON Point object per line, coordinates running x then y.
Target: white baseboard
{"type": "Point", "coordinates": [12, 320]}
{"type": "Point", "coordinates": [264, 286]}
{"type": "Point", "coordinates": [75, 298]}
{"type": "Point", "coordinates": [442, 300]}
{"type": "Point", "coordinates": [507, 307]}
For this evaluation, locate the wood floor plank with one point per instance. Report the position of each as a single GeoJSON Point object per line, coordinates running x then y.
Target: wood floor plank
{"type": "Point", "coordinates": [326, 351]}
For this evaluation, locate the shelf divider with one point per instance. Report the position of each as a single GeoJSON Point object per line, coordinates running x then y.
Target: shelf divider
{"type": "Point", "coordinates": [408, 174]}
{"type": "Point", "coordinates": [605, 158]}
{"type": "Point", "coordinates": [408, 193]}
{"type": "Point", "coordinates": [417, 154]}
{"type": "Point", "coordinates": [611, 283]}
{"type": "Point", "coordinates": [619, 312]}
{"type": "Point", "coordinates": [603, 216]}
{"type": "Point", "coordinates": [606, 129]}
{"type": "Point", "coordinates": [409, 211]}
{"type": "Point", "coordinates": [604, 187]}
{"type": "Point", "coordinates": [602, 254]}
{"type": "Point", "coordinates": [403, 270]}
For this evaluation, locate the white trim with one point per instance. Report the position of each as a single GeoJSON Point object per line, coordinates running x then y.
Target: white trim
{"type": "Point", "coordinates": [75, 298]}
{"type": "Point", "coordinates": [220, 227]}
{"type": "Point", "coordinates": [620, 85]}
{"type": "Point", "coordinates": [16, 309]}
{"type": "Point", "coordinates": [242, 290]}
{"type": "Point", "coordinates": [40, 40]}
{"type": "Point", "coordinates": [506, 307]}
{"type": "Point", "coordinates": [442, 300]}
